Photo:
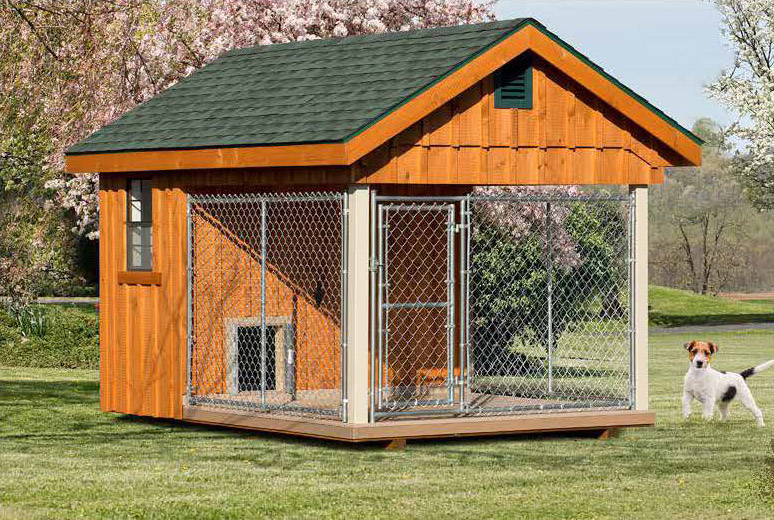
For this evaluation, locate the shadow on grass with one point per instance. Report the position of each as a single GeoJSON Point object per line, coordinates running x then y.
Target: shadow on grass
{"type": "Point", "coordinates": [673, 320]}
{"type": "Point", "coordinates": [17, 393]}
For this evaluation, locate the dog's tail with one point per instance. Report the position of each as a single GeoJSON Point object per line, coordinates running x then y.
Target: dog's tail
{"type": "Point", "coordinates": [757, 369]}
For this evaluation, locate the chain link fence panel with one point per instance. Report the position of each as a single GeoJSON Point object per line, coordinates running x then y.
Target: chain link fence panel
{"type": "Point", "coordinates": [416, 306]}
{"type": "Point", "coordinates": [503, 304]}
{"type": "Point", "coordinates": [267, 274]}
{"type": "Point", "coordinates": [549, 299]}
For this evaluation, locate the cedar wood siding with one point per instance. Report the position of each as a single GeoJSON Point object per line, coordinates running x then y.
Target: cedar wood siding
{"type": "Point", "coordinates": [142, 326]}
{"type": "Point", "coordinates": [569, 136]}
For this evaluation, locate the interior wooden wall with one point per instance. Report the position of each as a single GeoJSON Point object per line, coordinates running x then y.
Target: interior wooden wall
{"type": "Point", "coordinates": [227, 284]}
{"type": "Point", "coordinates": [569, 136]}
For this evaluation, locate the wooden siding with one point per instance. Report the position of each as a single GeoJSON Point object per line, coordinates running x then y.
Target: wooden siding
{"type": "Point", "coordinates": [142, 315]}
{"type": "Point", "coordinates": [569, 137]}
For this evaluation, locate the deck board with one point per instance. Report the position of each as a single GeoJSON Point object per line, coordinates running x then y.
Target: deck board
{"type": "Point", "coordinates": [421, 428]}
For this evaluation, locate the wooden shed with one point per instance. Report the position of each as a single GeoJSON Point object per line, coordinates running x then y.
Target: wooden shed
{"type": "Point", "coordinates": [322, 238]}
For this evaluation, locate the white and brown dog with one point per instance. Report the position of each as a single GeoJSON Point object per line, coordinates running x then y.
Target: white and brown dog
{"type": "Point", "coordinates": [709, 386]}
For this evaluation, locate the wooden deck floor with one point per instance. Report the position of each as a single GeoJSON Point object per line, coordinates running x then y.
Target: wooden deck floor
{"type": "Point", "coordinates": [421, 428]}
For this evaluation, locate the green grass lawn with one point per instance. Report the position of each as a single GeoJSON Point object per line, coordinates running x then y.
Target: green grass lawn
{"type": "Point", "coordinates": [61, 458]}
{"type": "Point", "coordinates": [673, 307]}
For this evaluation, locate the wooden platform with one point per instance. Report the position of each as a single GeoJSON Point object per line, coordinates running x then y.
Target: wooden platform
{"type": "Point", "coordinates": [422, 428]}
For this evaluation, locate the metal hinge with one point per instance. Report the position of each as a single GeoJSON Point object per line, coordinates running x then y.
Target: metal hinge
{"type": "Point", "coordinates": [373, 264]}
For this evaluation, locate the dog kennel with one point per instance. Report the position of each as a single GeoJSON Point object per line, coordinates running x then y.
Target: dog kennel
{"type": "Point", "coordinates": [325, 238]}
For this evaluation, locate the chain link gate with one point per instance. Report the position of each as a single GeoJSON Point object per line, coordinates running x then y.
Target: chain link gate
{"type": "Point", "coordinates": [536, 315]}
{"type": "Point", "coordinates": [415, 307]}
{"type": "Point", "coordinates": [266, 303]}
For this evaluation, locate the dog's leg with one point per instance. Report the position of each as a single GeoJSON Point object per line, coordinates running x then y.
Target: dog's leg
{"type": "Point", "coordinates": [748, 401]}
{"type": "Point", "coordinates": [723, 408]}
{"type": "Point", "coordinates": [686, 405]}
{"type": "Point", "coordinates": [708, 407]}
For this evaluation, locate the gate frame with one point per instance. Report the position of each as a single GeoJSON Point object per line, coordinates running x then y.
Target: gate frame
{"type": "Point", "coordinates": [380, 350]}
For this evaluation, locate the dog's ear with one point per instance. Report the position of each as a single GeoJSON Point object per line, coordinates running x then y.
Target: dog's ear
{"type": "Point", "coordinates": [713, 347]}
{"type": "Point", "coordinates": [690, 344]}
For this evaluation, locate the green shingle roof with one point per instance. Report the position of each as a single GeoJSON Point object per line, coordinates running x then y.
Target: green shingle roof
{"type": "Point", "coordinates": [316, 91]}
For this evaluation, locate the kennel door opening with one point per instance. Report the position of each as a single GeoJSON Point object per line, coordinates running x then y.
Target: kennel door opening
{"type": "Point", "coordinates": [415, 351]}
{"type": "Point", "coordinates": [250, 364]}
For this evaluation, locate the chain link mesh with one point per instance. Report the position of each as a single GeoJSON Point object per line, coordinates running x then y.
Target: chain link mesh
{"type": "Point", "coordinates": [416, 305]}
{"type": "Point", "coordinates": [266, 302]}
{"type": "Point", "coordinates": [549, 300]}
{"type": "Point", "coordinates": [497, 304]}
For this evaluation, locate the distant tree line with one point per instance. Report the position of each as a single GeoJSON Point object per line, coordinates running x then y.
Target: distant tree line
{"type": "Point", "coordinates": [706, 233]}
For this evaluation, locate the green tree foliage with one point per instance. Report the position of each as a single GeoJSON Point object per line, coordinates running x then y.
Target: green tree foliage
{"type": "Point", "coordinates": [511, 277]}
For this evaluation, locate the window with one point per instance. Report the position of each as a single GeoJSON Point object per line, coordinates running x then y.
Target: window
{"type": "Point", "coordinates": [513, 84]}
{"type": "Point", "coordinates": [138, 225]}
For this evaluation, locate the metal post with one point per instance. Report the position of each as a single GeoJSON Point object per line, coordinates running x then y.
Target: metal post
{"type": "Point", "coordinates": [450, 223]}
{"type": "Point", "coordinates": [189, 297]}
{"type": "Point", "coordinates": [374, 308]}
{"type": "Point", "coordinates": [343, 318]}
{"type": "Point", "coordinates": [468, 263]}
{"type": "Point", "coordinates": [263, 302]}
{"type": "Point", "coordinates": [463, 296]}
{"type": "Point", "coordinates": [379, 305]}
{"type": "Point", "coordinates": [468, 231]}
{"type": "Point", "coordinates": [550, 260]}
{"type": "Point", "coordinates": [384, 355]}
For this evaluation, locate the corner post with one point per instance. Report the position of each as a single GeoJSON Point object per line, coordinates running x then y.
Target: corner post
{"type": "Point", "coordinates": [358, 233]}
{"type": "Point", "coordinates": [640, 295]}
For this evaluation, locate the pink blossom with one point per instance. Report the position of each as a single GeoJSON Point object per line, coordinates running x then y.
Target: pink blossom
{"type": "Point", "coordinates": [73, 66]}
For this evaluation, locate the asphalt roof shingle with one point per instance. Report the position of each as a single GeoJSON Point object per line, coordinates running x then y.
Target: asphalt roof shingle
{"type": "Point", "coordinates": [301, 92]}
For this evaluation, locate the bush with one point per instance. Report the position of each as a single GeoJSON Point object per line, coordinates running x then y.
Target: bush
{"type": "Point", "coordinates": [68, 340]}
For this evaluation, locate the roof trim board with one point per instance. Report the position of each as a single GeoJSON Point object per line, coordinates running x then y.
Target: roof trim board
{"type": "Point", "coordinates": [528, 35]}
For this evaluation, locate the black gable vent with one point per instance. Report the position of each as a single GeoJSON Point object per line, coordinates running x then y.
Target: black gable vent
{"type": "Point", "coordinates": [513, 84]}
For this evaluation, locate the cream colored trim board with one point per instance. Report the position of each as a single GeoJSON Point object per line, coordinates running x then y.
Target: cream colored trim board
{"type": "Point", "coordinates": [421, 428]}
{"type": "Point", "coordinates": [640, 296]}
{"type": "Point", "coordinates": [357, 303]}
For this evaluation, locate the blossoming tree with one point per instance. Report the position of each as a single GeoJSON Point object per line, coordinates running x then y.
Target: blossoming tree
{"type": "Point", "coordinates": [747, 88]}
{"type": "Point", "coordinates": [69, 67]}
{"type": "Point", "coordinates": [84, 63]}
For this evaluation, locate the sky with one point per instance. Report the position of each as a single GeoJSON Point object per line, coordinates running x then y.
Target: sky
{"type": "Point", "coordinates": [665, 50]}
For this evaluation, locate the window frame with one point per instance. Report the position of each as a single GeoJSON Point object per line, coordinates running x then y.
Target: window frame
{"type": "Point", "coordinates": [145, 222]}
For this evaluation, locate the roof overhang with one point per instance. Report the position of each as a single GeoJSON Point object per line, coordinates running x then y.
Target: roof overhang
{"type": "Point", "coordinates": [531, 36]}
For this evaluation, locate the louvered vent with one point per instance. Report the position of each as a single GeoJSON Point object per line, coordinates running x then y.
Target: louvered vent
{"type": "Point", "coordinates": [513, 85]}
